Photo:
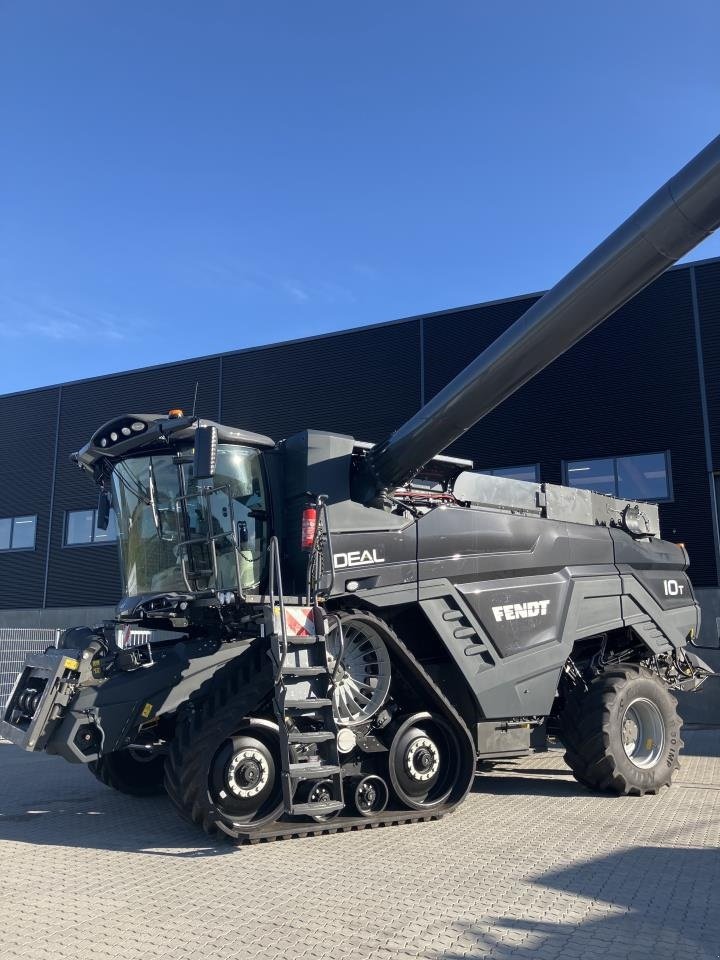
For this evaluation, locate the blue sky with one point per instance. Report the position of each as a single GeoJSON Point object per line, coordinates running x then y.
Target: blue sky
{"type": "Point", "coordinates": [179, 178]}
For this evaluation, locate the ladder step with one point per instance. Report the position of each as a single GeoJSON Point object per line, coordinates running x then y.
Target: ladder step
{"type": "Point", "coordinates": [317, 809]}
{"type": "Point", "coordinates": [297, 641]}
{"type": "Point", "coordinates": [312, 771]}
{"type": "Point", "coordinates": [312, 736]}
{"type": "Point", "coordinates": [462, 632]}
{"type": "Point", "coordinates": [290, 671]}
{"type": "Point", "coordinates": [315, 704]}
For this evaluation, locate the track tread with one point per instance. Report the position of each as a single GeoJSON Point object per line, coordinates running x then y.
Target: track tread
{"type": "Point", "coordinates": [284, 830]}
{"type": "Point", "coordinates": [243, 687]}
{"type": "Point", "coordinates": [108, 771]}
{"type": "Point", "coordinates": [236, 690]}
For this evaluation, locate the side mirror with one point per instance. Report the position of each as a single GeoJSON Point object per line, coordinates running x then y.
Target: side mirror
{"type": "Point", "coordinates": [205, 460]}
{"type": "Point", "coordinates": [103, 511]}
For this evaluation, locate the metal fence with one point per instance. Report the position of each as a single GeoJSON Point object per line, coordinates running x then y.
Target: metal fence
{"type": "Point", "coordinates": [15, 645]}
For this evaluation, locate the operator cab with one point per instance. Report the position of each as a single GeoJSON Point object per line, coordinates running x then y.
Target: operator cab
{"type": "Point", "coordinates": [191, 502]}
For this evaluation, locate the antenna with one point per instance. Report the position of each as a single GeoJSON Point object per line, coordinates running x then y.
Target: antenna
{"type": "Point", "coordinates": [197, 383]}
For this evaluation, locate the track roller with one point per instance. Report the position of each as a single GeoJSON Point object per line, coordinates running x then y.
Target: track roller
{"type": "Point", "coordinates": [320, 792]}
{"type": "Point", "coordinates": [370, 795]}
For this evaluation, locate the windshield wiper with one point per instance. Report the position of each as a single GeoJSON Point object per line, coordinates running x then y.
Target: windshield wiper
{"type": "Point", "coordinates": [152, 500]}
{"type": "Point", "coordinates": [132, 485]}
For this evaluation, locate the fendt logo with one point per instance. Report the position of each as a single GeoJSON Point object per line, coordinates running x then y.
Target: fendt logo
{"type": "Point", "coordinates": [357, 558]}
{"type": "Point", "coordinates": [521, 611]}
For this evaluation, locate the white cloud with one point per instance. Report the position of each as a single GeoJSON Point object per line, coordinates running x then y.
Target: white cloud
{"type": "Point", "coordinates": [51, 319]}
{"type": "Point", "coordinates": [337, 293]}
{"type": "Point", "coordinates": [297, 293]}
{"type": "Point", "coordinates": [247, 277]}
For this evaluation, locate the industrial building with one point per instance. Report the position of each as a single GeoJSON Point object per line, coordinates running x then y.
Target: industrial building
{"type": "Point", "coordinates": [632, 410]}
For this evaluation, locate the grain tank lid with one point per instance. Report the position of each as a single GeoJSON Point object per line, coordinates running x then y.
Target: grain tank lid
{"type": "Point", "coordinates": [555, 502]}
{"type": "Point", "coordinates": [484, 489]}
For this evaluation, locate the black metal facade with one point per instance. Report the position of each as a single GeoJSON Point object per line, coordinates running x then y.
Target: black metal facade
{"type": "Point", "coordinates": [647, 380]}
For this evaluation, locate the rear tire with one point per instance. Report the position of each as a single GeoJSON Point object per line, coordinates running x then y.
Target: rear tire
{"type": "Point", "coordinates": [123, 772]}
{"type": "Point", "coordinates": [622, 735]}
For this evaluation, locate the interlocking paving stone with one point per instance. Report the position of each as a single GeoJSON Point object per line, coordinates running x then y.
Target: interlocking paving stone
{"type": "Point", "coordinates": [531, 866]}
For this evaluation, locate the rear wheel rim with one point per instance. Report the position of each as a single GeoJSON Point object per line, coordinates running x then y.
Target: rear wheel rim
{"type": "Point", "coordinates": [643, 733]}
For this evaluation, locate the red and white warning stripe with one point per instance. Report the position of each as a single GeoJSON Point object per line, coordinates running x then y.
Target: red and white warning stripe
{"type": "Point", "coordinates": [299, 621]}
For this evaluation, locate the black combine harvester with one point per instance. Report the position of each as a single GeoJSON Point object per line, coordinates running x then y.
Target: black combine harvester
{"type": "Point", "coordinates": [320, 634]}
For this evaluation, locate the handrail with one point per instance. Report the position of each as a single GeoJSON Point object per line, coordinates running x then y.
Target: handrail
{"type": "Point", "coordinates": [276, 573]}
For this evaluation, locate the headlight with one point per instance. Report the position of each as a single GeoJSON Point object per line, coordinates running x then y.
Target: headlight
{"type": "Point", "coordinates": [635, 521]}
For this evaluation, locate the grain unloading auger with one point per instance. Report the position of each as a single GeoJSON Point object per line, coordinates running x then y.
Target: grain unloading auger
{"type": "Point", "coordinates": [318, 634]}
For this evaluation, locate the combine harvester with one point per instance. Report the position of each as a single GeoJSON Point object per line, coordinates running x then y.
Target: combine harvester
{"type": "Point", "coordinates": [320, 634]}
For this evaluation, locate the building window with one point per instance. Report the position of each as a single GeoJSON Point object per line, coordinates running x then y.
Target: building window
{"type": "Point", "coordinates": [531, 472]}
{"type": "Point", "coordinates": [17, 533]}
{"type": "Point", "coordinates": [645, 476]}
{"type": "Point", "coordinates": [81, 528]}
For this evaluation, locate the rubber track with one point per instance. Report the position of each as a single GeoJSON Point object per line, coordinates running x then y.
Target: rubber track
{"type": "Point", "coordinates": [296, 829]}
{"type": "Point", "coordinates": [235, 691]}
{"type": "Point", "coordinates": [244, 685]}
{"type": "Point", "coordinates": [102, 770]}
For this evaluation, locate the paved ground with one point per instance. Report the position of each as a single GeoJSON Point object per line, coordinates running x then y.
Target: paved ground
{"type": "Point", "coordinates": [531, 866]}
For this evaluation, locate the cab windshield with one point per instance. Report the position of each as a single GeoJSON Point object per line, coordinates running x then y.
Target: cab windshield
{"type": "Point", "coordinates": [178, 534]}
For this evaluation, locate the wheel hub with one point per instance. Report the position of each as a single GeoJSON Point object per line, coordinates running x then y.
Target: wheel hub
{"type": "Point", "coordinates": [247, 773]}
{"type": "Point", "coordinates": [643, 733]}
{"type": "Point", "coordinates": [320, 794]}
{"type": "Point", "coordinates": [630, 734]}
{"type": "Point", "coordinates": [422, 759]}
{"type": "Point", "coordinates": [367, 796]}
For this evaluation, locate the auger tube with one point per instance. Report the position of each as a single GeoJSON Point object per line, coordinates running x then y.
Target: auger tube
{"type": "Point", "coordinates": [673, 221]}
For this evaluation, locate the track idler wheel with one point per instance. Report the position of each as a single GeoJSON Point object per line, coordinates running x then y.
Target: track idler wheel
{"type": "Point", "coordinates": [244, 777]}
{"type": "Point", "coordinates": [425, 761]}
{"type": "Point", "coordinates": [370, 795]}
